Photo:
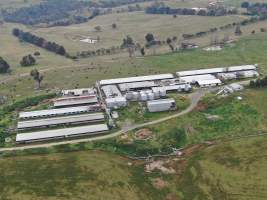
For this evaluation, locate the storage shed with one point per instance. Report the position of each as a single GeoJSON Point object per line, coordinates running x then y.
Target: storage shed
{"type": "Point", "coordinates": [161, 105]}
{"type": "Point", "coordinates": [209, 83]}
{"type": "Point", "coordinates": [116, 102]}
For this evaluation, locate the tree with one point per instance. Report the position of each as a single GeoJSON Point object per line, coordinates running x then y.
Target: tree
{"type": "Point", "coordinates": [98, 28]}
{"type": "Point", "coordinates": [129, 44]}
{"type": "Point", "coordinates": [28, 60]}
{"type": "Point", "coordinates": [142, 51]}
{"type": "Point", "coordinates": [169, 42]}
{"type": "Point", "coordinates": [114, 26]}
{"type": "Point", "coordinates": [238, 30]}
{"type": "Point", "coordinates": [37, 53]}
{"type": "Point", "coordinates": [149, 38]}
{"type": "Point", "coordinates": [245, 4]}
{"type": "Point", "coordinates": [35, 74]}
{"type": "Point", "coordinates": [4, 66]}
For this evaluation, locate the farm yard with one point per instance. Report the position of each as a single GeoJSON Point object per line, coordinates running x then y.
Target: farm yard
{"type": "Point", "coordinates": [133, 139]}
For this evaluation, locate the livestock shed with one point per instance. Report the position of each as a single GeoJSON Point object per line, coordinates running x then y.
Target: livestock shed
{"type": "Point", "coordinates": [111, 91]}
{"type": "Point", "coordinates": [59, 112]}
{"type": "Point", "coordinates": [200, 72]}
{"type": "Point", "coordinates": [216, 70]}
{"type": "Point", "coordinates": [136, 79]}
{"type": "Point", "coordinates": [177, 88]}
{"type": "Point", "coordinates": [209, 83]}
{"type": "Point", "coordinates": [61, 133]}
{"type": "Point", "coordinates": [226, 76]}
{"type": "Point", "coordinates": [195, 79]}
{"type": "Point", "coordinates": [79, 92]}
{"type": "Point", "coordinates": [161, 105]}
{"type": "Point", "coordinates": [247, 74]}
{"type": "Point", "coordinates": [73, 101]}
{"type": "Point", "coordinates": [116, 102]}
{"type": "Point", "coordinates": [136, 85]}
{"type": "Point", "coordinates": [74, 119]}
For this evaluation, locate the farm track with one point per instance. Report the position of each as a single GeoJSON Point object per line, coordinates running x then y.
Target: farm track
{"type": "Point", "coordinates": [194, 98]}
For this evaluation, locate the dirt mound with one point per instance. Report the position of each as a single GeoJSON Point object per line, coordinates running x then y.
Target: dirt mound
{"type": "Point", "coordinates": [159, 183]}
{"type": "Point", "coordinates": [143, 134]}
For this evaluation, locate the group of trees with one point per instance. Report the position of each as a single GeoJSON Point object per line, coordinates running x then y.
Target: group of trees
{"type": "Point", "coordinates": [4, 66]}
{"type": "Point", "coordinates": [258, 83]}
{"type": "Point", "coordinates": [28, 60]}
{"type": "Point", "coordinates": [259, 9]}
{"type": "Point", "coordinates": [48, 11]}
{"type": "Point", "coordinates": [39, 41]}
{"type": "Point", "coordinates": [160, 8]}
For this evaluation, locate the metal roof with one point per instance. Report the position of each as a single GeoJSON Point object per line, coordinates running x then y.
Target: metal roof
{"type": "Point", "coordinates": [79, 91]}
{"type": "Point", "coordinates": [241, 68]}
{"type": "Point", "coordinates": [116, 99]}
{"type": "Point", "coordinates": [60, 120]}
{"type": "Point", "coordinates": [111, 91]}
{"type": "Point", "coordinates": [59, 111]}
{"type": "Point", "coordinates": [171, 87]}
{"type": "Point", "coordinates": [61, 133]}
{"type": "Point", "coordinates": [193, 79]}
{"type": "Point", "coordinates": [160, 101]}
{"type": "Point", "coordinates": [209, 82]}
{"type": "Point", "coordinates": [136, 79]}
{"type": "Point", "coordinates": [216, 70]}
{"type": "Point", "coordinates": [134, 85]}
{"type": "Point", "coordinates": [75, 101]}
{"type": "Point", "coordinates": [200, 72]}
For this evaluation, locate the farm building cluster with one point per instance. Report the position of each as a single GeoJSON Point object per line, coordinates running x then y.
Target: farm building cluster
{"type": "Point", "coordinates": [89, 111]}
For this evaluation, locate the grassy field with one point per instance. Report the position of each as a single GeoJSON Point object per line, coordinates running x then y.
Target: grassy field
{"type": "Point", "coordinates": [229, 170]}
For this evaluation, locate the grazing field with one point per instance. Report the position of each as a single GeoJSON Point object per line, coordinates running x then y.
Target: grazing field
{"type": "Point", "coordinates": [228, 170]}
{"type": "Point", "coordinates": [127, 24]}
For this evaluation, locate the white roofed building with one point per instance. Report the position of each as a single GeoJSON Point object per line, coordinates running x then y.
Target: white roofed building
{"type": "Point", "coordinates": [136, 79]}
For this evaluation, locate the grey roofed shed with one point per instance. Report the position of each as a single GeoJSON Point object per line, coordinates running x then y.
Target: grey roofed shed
{"type": "Point", "coordinates": [59, 111]}
{"type": "Point", "coordinates": [136, 79]}
{"type": "Point", "coordinates": [74, 119]}
{"type": "Point", "coordinates": [61, 133]}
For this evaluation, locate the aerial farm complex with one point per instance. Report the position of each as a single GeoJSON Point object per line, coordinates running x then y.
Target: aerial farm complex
{"type": "Point", "coordinates": [92, 111]}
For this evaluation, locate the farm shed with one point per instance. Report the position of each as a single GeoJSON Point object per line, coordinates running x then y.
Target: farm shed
{"type": "Point", "coordinates": [208, 83]}
{"type": "Point", "coordinates": [226, 76]}
{"type": "Point", "coordinates": [111, 91]}
{"type": "Point", "coordinates": [161, 105]}
{"type": "Point", "coordinates": [61, 133]}
{"type": "Point", "coordinates": [74, 119]}
{"type": "Point", "coordinates": [200, 72]}
{"type": "Point", "coordinates": [72, 101]}
{"type": "Point", "coordinates": [247, 74]}
{"type": "Point", "coordinates": [116, 102]}
{"type": "Point", "coordinates": [79, 92]}
{"type": "Point", "coordinates": [136, 79]}
{"type": "Point", "coordinates": [169, 88]}
{"type": "Point", "coordinates": [240, 68]}
{"type": "Point", "coordinates": [136, 85]}
{"type": "Point", "coordinates": [59, 112]}
{"type": "Point", "coordinates": [195, 79]}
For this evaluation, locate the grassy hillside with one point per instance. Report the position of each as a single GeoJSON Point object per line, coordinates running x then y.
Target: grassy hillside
{"type": "Point", "coordinates": [226, 171]}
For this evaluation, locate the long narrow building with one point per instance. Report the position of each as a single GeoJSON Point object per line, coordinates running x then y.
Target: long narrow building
{"type": "Point", "coordinates": [74, 119]}
{"type": "Point", "coordinates": [59, 112]}
{"type": "Point", "coordinates": [61, 133]}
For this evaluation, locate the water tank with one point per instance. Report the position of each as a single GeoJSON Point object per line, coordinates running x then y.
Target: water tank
{"type": "Point", "coordinates": [135, 96]}
{"type": "Point", "coordinates": [129, 95]}
{"type": "Point", "coordinates": [162, 92]}
{"type": "Point", "coordinates": [143, 96]}
{"type": "Point", "coordinates": [151, 96]}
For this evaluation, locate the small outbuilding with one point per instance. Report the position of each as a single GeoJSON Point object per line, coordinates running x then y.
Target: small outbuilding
{"type": "Point", "coordinates": [161, 105]}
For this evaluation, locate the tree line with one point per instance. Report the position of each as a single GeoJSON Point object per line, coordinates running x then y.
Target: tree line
{"type": "Point", "coordinates": [159, 8]}
{"type": "Point", "coordinates": [61, 13]}
{"type": "Point", "coordinates": [258, 83]}
{"type": "Point", "coordinates": [259, 9]}
{"type": "Point", "coordinates": [39, 41]}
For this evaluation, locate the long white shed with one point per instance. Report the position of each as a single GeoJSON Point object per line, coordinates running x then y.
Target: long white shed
{"type": "Point", "coordinates": [61, 133]}
{"type": "Point", "coordinates": [59, 112]}
{"type": "Point", "coordinates": [136, 79]}
{"type": "Point", "coordinates": [74, 119]}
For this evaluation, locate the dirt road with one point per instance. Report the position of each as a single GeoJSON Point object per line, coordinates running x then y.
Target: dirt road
{"type": "Point", "coordinates": [194, 97]}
